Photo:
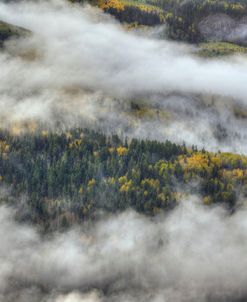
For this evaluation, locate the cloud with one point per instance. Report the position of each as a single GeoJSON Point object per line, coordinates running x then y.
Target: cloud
{"type": "Point", "coordinates": [77, 297]}
{"type": "Point", "coordinates": [192, 254]}
{"type": "Point", "coordinates": [83, 49]}
{"type": "Point", "coordinates": [80, 67]}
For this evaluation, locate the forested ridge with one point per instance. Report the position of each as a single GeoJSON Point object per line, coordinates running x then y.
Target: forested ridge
{"type": "Point", "coordinates": [123, 155]}
{"type": "Point", "coordinates": [211, 24]}
{"type": "Point", "coordinates": [182, 17]}
{"type": "Point", "coordinates": [75, 175]}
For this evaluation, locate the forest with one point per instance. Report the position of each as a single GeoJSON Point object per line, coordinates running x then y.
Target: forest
{"type": "Point", "coordinates": [73, 176]}
{"type": "Point", "coordinates": [123, 154]}
{"type": "Point", "coordinates": [186, 21]}
{"type": "Point", "coordinates": [181, 17]}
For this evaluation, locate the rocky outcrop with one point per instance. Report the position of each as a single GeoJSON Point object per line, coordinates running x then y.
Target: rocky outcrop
{"type": "Point", "coordinates": [221, 27]}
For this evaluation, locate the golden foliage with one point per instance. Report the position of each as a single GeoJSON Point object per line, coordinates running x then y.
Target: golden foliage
{"type": "Point", "coordinates": [127, 186]}
{"type": "Point", "coordinates": [4, 149]}
{"type": "Point", "coordinates": [75, 144]}
{"type": "Point", "coordinates": [91, 182]}
{"type": "Point", "coordinates": [150, 182]}
{"type": "Point", "coordinates": [121, 151]}
{"type": "Point", "coordinates": [116, 4]}
{"type": "Point", "coordinates": [121, 5]}
{"type": "Point", "coordinates": [122, 179]}
{"type": "Point", "coordinates": [196, 161]}
{"type": "Point", "coordinates": [207, 200]}
{"type": "Point", "coordinates": [44, 133]}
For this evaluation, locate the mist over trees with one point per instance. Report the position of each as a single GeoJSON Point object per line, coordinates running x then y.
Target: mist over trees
{"type": "Point", "coordinates": [183, 18]}
{"type": "Point", "coordinates": [123, 165]}
{"type": "Point", "coordinates": [74, 175]}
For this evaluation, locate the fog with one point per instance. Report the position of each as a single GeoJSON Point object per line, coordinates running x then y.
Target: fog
{"type": "Point", "coordinates": [192, 254]}
{"type": "Point", "coordinates": [80, 67]}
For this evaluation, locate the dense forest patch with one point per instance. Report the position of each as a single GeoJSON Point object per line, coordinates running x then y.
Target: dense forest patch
{"type": "Point", "coordinates": [187, 20]}
{"type": "Point", "coordinates": [74, 175]}
{"type": "Point", "coordinates": [133, 12]}
{"type": "Point", "coordinates": [190, 21]}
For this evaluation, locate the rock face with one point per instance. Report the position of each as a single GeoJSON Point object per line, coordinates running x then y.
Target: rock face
{"type": "Point", "coordinates": [240, 32]}
{"type": "Point", "coordinates": [221, 27]}
{"type": "Point", "coordinates": [217, 27]}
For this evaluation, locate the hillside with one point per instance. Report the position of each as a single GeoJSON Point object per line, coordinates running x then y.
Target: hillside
{"type": "Point", "coordinates": [191, 21]}
{"type": "Point", "coordinates": [8, 31]}
{"type": "Point", "coordinates": [123, 151]}
{"type": "Point", "coordinates": [221, 24]}
{"type": "Point", "coordinates": [73, 176]}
